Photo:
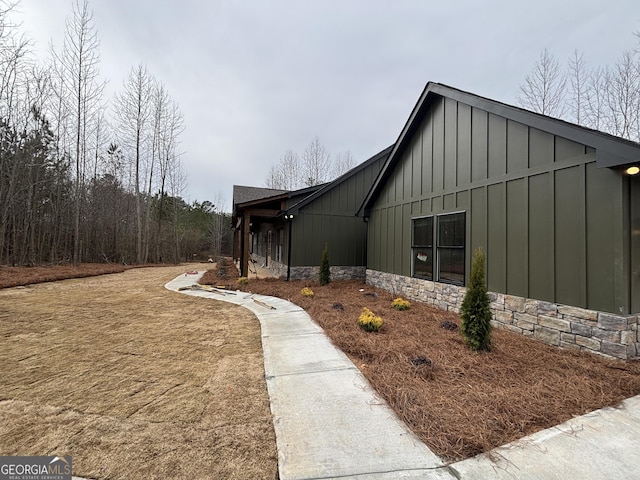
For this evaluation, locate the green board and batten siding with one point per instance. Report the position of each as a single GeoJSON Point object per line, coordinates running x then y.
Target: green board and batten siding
{"type": "Point", "coordinates": [330, 218]}
{"type": "Point", "coordinates": [554, 226]}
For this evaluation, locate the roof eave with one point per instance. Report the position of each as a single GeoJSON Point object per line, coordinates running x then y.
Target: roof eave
{"type": "Point", "coordinates": [611, 151]}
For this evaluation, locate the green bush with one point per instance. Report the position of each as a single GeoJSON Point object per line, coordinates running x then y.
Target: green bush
{"type": "Point", "coordinates": [222, 268]}
{"type": "Point", "coordinates": [325, 272]}
{"type": "Point", "coordinates": [476, 311]}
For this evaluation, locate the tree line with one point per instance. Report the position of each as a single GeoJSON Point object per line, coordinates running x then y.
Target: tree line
{"type": "Point", "coordinates": [84, 178]}
{"type": "Point", "coordinates": [605, 98]}
{"type": "Point", "coordinates": [314, 167]}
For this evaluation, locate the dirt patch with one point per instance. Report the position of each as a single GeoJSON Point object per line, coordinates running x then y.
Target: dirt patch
{"type": "Point", "coordinates": [134, 381]}
{"type": "Point", "coordinates": [460, 403]}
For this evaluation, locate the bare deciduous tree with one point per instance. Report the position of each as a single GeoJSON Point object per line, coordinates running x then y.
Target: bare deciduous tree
{"type": "Point", "coordinates": [544, 88]}
{"type": "Point", "coordinates": [82, 91]}
{"type": "Point", "coordinates": [133, 107]}
{"type": "Point", "coordinates": [595, 95]}
{"type": "Point", "coordinates": [578, 80]}
{"type": "Point", "coordinates": [219, 224]}
{"type": "Point", "coordinates": [622, 103]}
{"type": "Point", "coordinates": [285, 175]}
{"type": "Point", "coordinates": [12, 68]}
{"type": "Point", "coordinates": [168, 125]}
{"type": "Point", "coordinates": [343, 163]}
{"type": "Point", "coordinates": [316, 167]}
{"type": "Point", "coordinates": [316, 163]}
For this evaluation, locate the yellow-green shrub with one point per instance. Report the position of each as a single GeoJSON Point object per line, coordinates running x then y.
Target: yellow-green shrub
{"type": "Point", "coordinates": [369, 321]}
{"type": "Point", "coordinates": [242, 281]}
{"type": "Point", "coordinates": [307, 292]}
{"type": "Point", "coordinates": [401, 304]}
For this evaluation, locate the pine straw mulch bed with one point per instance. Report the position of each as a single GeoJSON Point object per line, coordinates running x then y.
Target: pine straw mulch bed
{"type": "Point", "coordinates": [458, 402]}
{"type": "Point", "coordinates": [21, 276]}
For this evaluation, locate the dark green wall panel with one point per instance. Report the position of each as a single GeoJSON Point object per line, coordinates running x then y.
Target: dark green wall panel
{"type": "Point", "coordinates": [497, 146]}
{"type": "Point", "coordinates": [464, 145]}
{"type": "Point", "coordinates": [427, 156]}
{"type": "Point", "coordinates": [374, 241]}
{"type": "Point", "coordinates": [541, 258]}
{"type": "Point", "coordinates": [517, 147]}
{"type": "Point", "coordinates": [517, 267]}
{"type": "Point", "coordinates": [437, 204]}
{"type": "Point", "coordinates": [601, 202]}
{"type": "Point", "coordinates": [635, 243]}
{"type": "Point", "coordinates": [449, 201]}
{"type": "Point", "coordinates": [389, 254]}
{"type": "Point", "coordinates": [566, 149]}
{"type": "Point", "coordinates": [438, 146]}
{"type": "Point", "coordinates": [541, 147]}
{"type": "Point", "coordinates": [479, 136]}
{"type": "Point", "coordinates": [406, 239]}
{"type": "Point", "coordinates": [462, 200]}
{"type": "Point", "coordinates": [450, 164]}
{"type": "Point", "coordinates": [416, 166]}
{"type": "Point", "coordinates": [478, 220]}
{"type": "Point", "coordinates": [496, 238]}
{"type": "Point", "coordinates": [398, 243]}
{"type": "Point", "coordinates": [570, 236]}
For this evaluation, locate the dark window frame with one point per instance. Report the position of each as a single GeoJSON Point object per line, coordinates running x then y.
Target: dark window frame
{"type": "Point", "coordinates": [417, 248]}
{"type": "Point", "coordinates": [450, 248]}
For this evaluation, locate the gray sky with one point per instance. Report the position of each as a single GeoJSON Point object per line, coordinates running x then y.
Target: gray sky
{"type": "Point", "coordinates": [255, 77]}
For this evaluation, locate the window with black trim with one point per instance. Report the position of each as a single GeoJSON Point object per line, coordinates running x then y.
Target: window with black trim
{"type": "Point", "coordinates": [422, 248]}
{"type": "Point", "coordinates": [450, 248]}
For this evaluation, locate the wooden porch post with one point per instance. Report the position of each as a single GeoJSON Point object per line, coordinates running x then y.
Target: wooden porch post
{"type": "Point", "coordinates": [244, 263]}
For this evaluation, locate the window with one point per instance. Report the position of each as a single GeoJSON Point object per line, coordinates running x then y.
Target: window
{"type": "Point", "coordinates": [450, 247]}
{"type": "Point", "coordinates": [422, 248]}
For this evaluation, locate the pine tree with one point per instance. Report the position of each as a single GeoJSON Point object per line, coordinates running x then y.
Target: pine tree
{"type": "Point", "coordinates": [476, 312]}
{"type": "Point", "coordinates": [325, 273]}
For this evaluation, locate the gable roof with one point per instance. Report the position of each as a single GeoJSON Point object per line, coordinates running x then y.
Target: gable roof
{"type": "Point", "coordinates": [294, 209]}
{"type": "Point", "coordinates": [611, 151]}
{"type": "Point", "coordinates": [242, 194]}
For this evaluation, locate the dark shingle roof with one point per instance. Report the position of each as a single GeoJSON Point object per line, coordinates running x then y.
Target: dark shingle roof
{"type": "Point", "coordinates": [242, 194]}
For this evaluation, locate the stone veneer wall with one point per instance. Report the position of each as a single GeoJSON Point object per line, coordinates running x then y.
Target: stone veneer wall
{"type": "Point", "coordinates": [616, 336]}
{"type": "Point", "coordinates": [308, 273]}
{"type": "Point", "coordinates": [337, 273]}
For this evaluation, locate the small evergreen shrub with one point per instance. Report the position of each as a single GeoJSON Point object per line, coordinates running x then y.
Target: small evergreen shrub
{"type": "Point", "coordinates": [401, 304]}
{"type": "Point", "coordinates": [222, 267]}
{"type": "Point", "coordinates": [475, 313]}
{"type": "Point", "coordinates": [325, 272]}
{"type": "Point", "coordinates": [369, 321]}
{"type": "Point", "coordinates": [242, 281]}
{"type": "Point", "coordinates": [307, 292]}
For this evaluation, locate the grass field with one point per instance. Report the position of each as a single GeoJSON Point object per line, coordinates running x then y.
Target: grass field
{"type": "Point", "coordinates": [134, 381]}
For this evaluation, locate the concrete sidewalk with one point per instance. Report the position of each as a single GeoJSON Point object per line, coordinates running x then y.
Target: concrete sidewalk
{"type": "Point", "coordinates": [329, 423]}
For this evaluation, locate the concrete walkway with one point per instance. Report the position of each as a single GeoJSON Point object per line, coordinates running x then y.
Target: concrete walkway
{"type": "Point", "coordinates": [329, 423]}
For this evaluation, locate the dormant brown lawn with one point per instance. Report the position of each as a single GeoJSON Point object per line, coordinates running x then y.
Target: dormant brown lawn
{"type": "Point", "coordinates": [134, 381]}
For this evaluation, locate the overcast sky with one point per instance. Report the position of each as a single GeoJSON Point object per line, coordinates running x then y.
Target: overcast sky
{"type": "Point", "coordinates": [257, 77]}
